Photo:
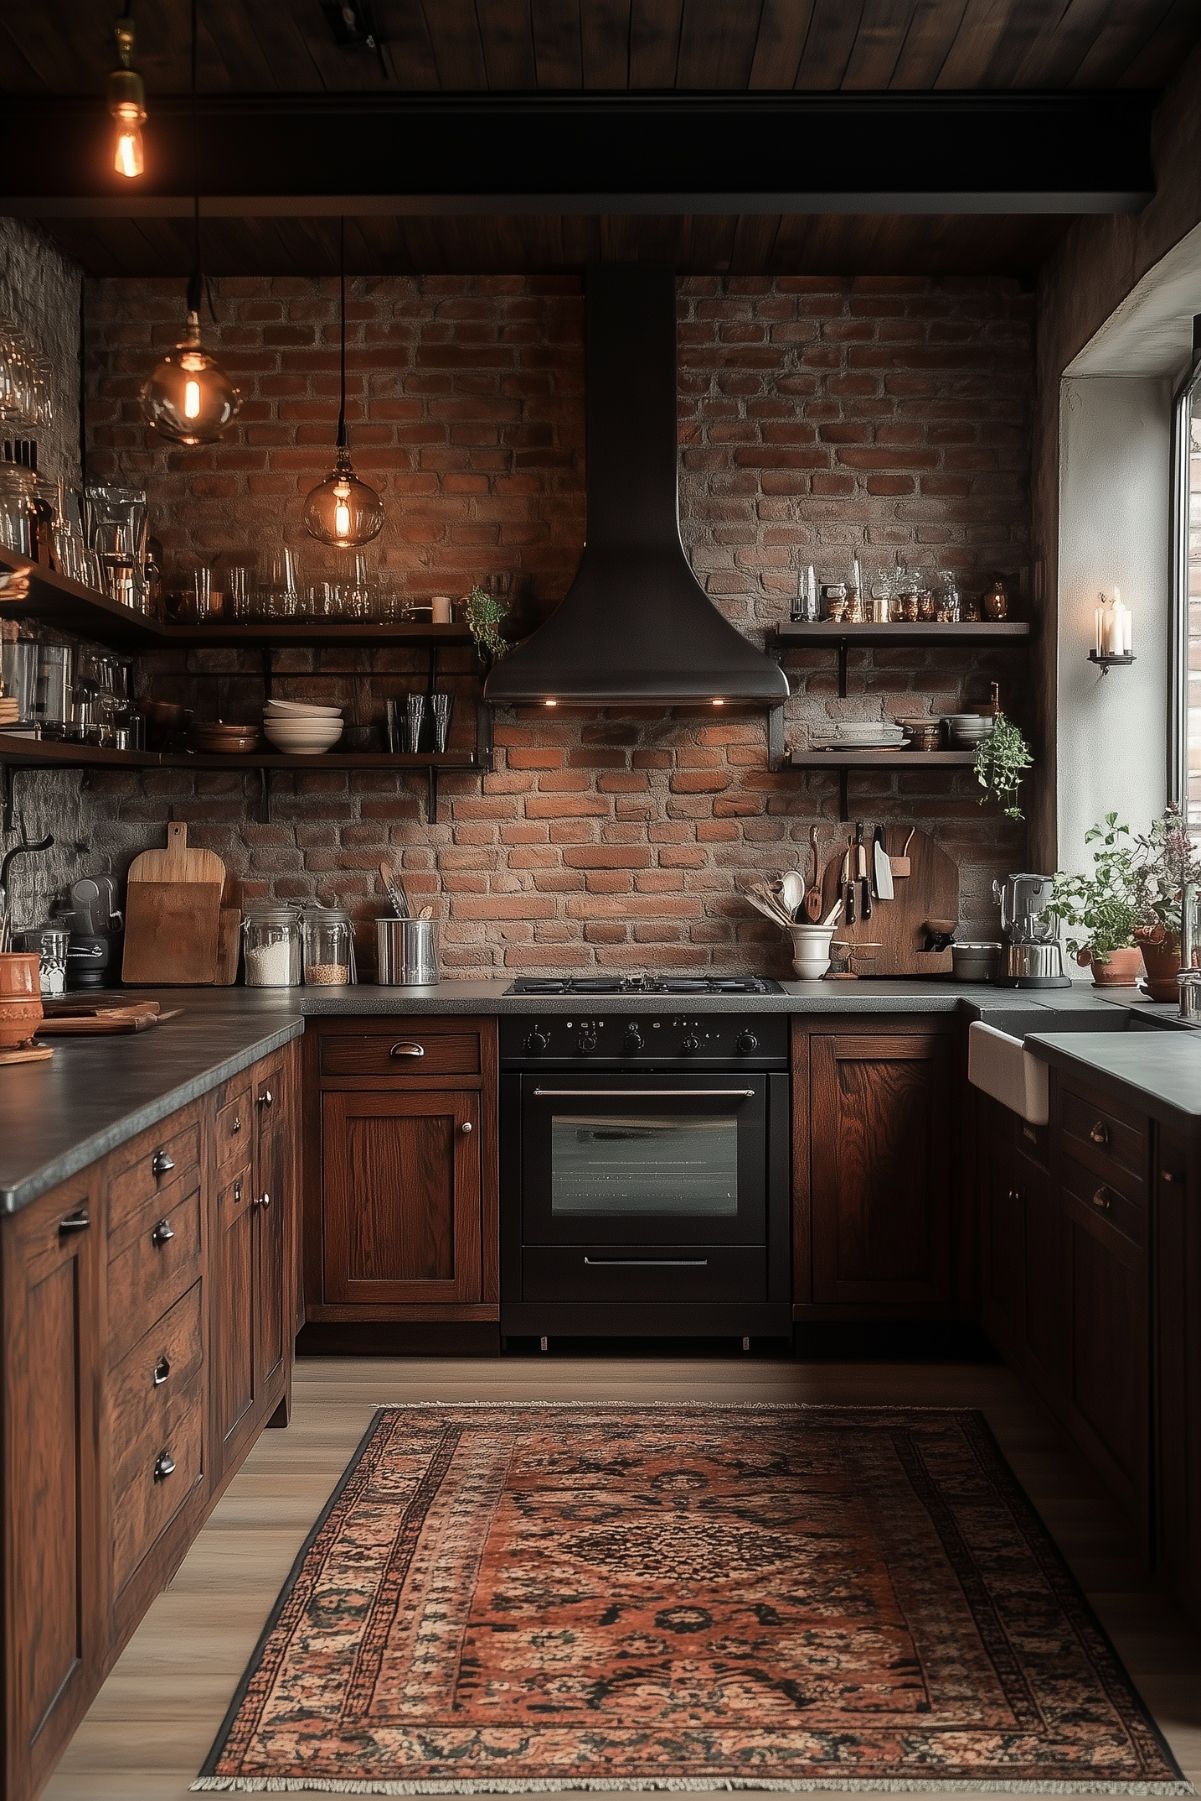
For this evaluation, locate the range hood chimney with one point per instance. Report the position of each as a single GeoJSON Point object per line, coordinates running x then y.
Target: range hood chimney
{"type": "Point", "coordinates": [635, 628]}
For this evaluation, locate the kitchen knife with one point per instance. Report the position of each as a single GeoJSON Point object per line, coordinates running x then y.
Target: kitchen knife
{"type": "Point", "coordinates": [884, 887]}
{"type": "Point", "coordinates": [861, 874]}
{"type": "Point", "coordinates": [848, 911]}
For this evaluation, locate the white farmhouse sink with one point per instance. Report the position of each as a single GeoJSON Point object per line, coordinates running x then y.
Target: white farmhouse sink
{"type": "Point", "coordinates": [1000, 1065]}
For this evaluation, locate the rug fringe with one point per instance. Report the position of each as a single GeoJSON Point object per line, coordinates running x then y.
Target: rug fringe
{"type": "Point", "coordinates": [675, 1785]}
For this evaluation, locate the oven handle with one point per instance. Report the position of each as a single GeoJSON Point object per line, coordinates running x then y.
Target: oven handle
{"type": "Point", "coordinates": [646, 1262]}
{"type": "Point", "coordinates": [644, 1094]}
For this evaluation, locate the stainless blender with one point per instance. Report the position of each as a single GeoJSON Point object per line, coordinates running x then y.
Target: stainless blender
{"type": "Point", "coordinates": [1030, 927]}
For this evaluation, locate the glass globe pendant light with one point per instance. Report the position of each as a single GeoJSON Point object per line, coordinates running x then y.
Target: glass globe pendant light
{"type": "Point", "coordinates": [188, 397]}
{"type": "Point", "coordinates": [127, 103]}
{"type": "Point", "coordinates": [343, 510]}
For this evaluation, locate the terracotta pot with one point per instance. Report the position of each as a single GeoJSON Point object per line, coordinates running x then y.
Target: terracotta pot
{"type": "Point", "coordinates": [19, 974]}
{"type": "Point", "coordinates": [1161, 958]}
{"type": "Point", "coordinates": [19, 1020]}
{"type": "Point", "coordinates": [1121, 968]}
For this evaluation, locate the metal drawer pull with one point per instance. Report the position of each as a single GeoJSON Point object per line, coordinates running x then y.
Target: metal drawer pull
{"type": "Point", "coordinates": [646, 1262]}
{"type": "Point", "coordinates": [266, 1099]}
{"type": "Point", "coordinates": [644, 1094]}
{"type": "Point", "coordinates": [237, 1125]}
{"type": "Point", "coordinates": [164, 1466]}
{"type": "Point", "coordinates": [262, 1200]}
{"type": "Point", "coordinates": [407, 1050]}
{"type": "Point", "coordinates": [1101, 1200]}
{"type": "Point", "coordinates": [1168, 1175]}
{"type": "Point", "coordinates": [162, 1370]}
{"type": "Point", "coordinates": [163, 1233]}
{"type": "Point", "coordinates": [1100, 1133]}
{"type": "Point", "coordinates": [162, 1163]}
{"type": "Point", "coordinates": [237, 1191]}
{"type": "Point", "coordinates": [1014, 1196]}
{"type": "Point", "coordinates": [79, 1221]}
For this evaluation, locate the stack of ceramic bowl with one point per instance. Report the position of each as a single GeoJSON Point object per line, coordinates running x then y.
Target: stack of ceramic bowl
{"type": "Point", "coordinates": [966, 730]}
{"type": "Point", "coordinates": [301, 728]}
{"type": "Point", "coordinates": [858, 734]}
{"type": "Point", "coordinates": [810, 951]}
{"type": "Point", "coordinates": [220, 738]}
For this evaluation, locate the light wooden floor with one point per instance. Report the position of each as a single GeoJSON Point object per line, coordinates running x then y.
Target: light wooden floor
{"type": "Point", "coordinates": [151, 1725]}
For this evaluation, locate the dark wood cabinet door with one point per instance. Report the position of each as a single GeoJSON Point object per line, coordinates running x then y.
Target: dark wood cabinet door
{"type": "Point", "coordinates": [1047, 1297]}
{"type": "Point", "coordinates": [879, 1168]}
{"type": "Point", "coordinates": [232, 1286]}
{"type": "Point", "coordinates": [274, 1203]}
{"type": "Point", "coordinates": [401, 1184]}
{"type": "Point", "coordinates": [55, 1596]}
{"type": "Point", "coordinates": [1109, 1369]}
{"type": "Point", "coordinates": [1006, 1181]}
{"type": "Point", "coordinates": [1177, 1364]}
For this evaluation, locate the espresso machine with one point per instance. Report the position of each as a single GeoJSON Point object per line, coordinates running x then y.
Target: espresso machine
{"type": "Point", "coordinates": [1030, 927]}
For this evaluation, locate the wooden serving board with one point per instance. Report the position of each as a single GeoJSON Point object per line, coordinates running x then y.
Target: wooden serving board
{"type": "Point", "coordinates": [929, 891]}
{"type": "Point", "coordinates": [177, 863]}
{"type": "Point", "coordinates": [106, 1020]}
{"type": "Point", "coordinates": [171, 933]}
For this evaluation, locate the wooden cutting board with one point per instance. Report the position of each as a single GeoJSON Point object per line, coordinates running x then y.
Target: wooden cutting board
{"type": "Point", "coordinates": [139, 1016]}
{"type": "Point", "coordinates": [171, 933]}
{"type": "Point", "coordinates": [177, 863]}
{"type": "Point", "coordinates": [930, 890]}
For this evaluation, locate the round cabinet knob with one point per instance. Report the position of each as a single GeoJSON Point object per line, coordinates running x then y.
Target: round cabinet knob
{"type": "Point", "coordinates": [745, 1043]}
{"type": "Point", "coordinates": [262, 1200]}
{"type": "Point", "coordinates": [690, 1045]}
{"type": "Point", "coordinates": [536, 1043]}
{"type": "Point", "coordinates": [633, 1040]}
{"type": "Point", "coordinates": [266, 1099]}
{"type": "Point", "coordinates": [466, 1126]}
{"type": "Point", "coordinates": [586, 1043]}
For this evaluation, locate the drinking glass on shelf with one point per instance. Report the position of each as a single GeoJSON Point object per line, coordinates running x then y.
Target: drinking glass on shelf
{"type": "Point", "coordinates": [201, 600]}
{"type": "Point", "coordinates": [240, 590]}
{"type": "Point", "coordinates": [441, 705]}
{"type": "Point", "coordinates": [281, 583]}
{"type": "Point", "coordinates": [414, 722]}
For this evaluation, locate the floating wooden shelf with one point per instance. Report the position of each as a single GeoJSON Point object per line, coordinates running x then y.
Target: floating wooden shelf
{"type": "Point", "coordinates": [51, 753]}
{"type": "Point", "coordinates": [327, 759]}
{"type": "Point", "coordinates": [879, 759]}
{"type": "Point", "coordinates": [54, 600]}
{"type": "Point", "coordinates": [823, 632]}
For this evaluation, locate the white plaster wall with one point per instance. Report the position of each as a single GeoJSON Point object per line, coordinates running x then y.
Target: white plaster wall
{"type": "Point", "coordinates": [1114, 527]}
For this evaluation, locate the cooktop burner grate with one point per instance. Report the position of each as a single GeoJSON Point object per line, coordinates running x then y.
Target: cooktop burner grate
{"type": "Point", "coordinates": [644, 984]}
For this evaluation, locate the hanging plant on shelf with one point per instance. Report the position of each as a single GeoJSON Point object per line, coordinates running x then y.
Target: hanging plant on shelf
{"type": "Point", "coordinates": [486, 614]}
{"type": "Point", "coordinates": [1002, 759]}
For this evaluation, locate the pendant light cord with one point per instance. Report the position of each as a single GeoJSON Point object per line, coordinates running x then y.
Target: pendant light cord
{"type": "Point", "coordinates": [341, 441]}
{"type": "Point", "coordinates": [196, 281]}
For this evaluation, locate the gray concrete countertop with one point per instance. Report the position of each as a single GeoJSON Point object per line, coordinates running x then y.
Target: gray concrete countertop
{"type": "Point", "coordinates": [57, 1117]}
{"type": "Point", "coordinates": [1159, 1071]}
{"type": "Point", "coordinates": [96, 1093]}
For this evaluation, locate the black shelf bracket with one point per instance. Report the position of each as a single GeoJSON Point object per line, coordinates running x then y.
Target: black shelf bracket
{"type": "Point", "coordinates": [842, 647]}
{"type": "Point", "coordinates": [8, 785]}
{"type": "Point", "coordinates": [777, 750]}
{"type": "Point", "coordinates": [264, 775]}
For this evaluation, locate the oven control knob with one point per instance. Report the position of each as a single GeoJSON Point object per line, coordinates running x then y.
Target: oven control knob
{"type": "Point", "coordinates": [586, 1043]}
{"type": "Point", "coordinates": [745, 1043]}
{"type": "Point", "coordinates": [633, 1041]}
{"type": "Point", "coordinates": [536, 1043]}
{"type": "Point", "coordinates": [691, 1045]}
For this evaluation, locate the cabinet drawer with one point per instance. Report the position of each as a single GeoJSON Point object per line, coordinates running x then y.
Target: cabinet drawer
{"type": "Point", "coordinates": [232, 1130]}
{"type": "Point", "coordinates": [665, 1274]}
{"type": "Point", "coordinates": [154, 1164]}
{"type": "Point", "coordinates": [154, 1260]}
{"type": "Point", "coordinates": [1123, 1208]}
{"type": "Point", "coordinates": [401, 1053]}
{"type": "Point", "coordinates": [150, 1389]}
{"type": "Point", "coordinates": [154, 1476]}
{"type": "Point", "coordinates": [1114, 1147]}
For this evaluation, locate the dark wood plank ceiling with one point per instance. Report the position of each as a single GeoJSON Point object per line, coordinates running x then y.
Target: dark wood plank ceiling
{"type": "Point", "coordinates": [263, 46]}
{"type": "Point", "coordinates": [857, 244]}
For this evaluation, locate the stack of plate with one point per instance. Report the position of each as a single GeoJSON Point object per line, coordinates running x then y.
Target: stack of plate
{"type": "Point", "coordinates": [302, 728]}
{"type": "Point", "coordinates": [858, 734]}
{"type": "Point", "coordinates": [965, 730]}
{"type": "Point", "coordinates": [222, 738]}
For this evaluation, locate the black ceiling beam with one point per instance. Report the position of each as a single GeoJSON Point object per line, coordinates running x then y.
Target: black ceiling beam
{"type": "Point", "coordinates": [322, 154]}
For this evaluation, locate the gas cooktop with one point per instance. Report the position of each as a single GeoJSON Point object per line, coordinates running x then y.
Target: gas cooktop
{"type": "Point", "coordinates": [644, 984]}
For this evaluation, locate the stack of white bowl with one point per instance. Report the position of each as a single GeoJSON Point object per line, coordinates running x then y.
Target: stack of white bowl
{"type": "Point", "coordinates": [301, 728]}
{"type": "Point", "coordinates": [856, 734]}
{"type": "Point", "coordinates": [965, 730]}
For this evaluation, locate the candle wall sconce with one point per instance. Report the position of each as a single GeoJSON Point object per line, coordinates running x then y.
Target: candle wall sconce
{"type": "Point", "coordinates": [1113, 643]}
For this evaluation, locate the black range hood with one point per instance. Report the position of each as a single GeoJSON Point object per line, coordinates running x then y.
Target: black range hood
{"type": "Point", "coordinates": [635, 628]}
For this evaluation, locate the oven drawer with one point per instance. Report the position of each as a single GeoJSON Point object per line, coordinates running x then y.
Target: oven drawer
{"type": "Point", "coordinates": [651, 1273]}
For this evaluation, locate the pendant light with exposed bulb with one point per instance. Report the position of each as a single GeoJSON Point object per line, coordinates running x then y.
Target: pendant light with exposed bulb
{"type": "Point", "coordinates": [127, 102]}
{"type": "Point", "coordinates": [343, 510]}
{"type": "Point", "coordinates": [188, 397]}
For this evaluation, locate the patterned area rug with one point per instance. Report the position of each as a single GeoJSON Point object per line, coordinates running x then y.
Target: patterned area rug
{"type": "Point", "coordinates": [548, 1597]}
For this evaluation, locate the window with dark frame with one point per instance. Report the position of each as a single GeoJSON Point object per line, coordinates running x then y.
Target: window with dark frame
{"type": "Point", "coordinates": [1184, 728]}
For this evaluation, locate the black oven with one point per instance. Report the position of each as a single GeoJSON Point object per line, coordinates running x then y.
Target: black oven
{"type": "Point", "coordinates": [645, 1186]}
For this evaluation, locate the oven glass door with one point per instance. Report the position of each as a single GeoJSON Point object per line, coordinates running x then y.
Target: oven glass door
{"type": "Point", "coordinates": [657, 1160]}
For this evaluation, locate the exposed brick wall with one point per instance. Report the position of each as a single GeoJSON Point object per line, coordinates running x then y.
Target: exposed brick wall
{"type": "Point", "coordinates": [816, 416]}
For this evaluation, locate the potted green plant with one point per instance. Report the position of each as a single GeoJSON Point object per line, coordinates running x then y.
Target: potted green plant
{"type": "Point", "coordinates": [1101, 910]}
{"type": "Point", "coordinates": [486, 614]}
{"type": "Point", "coordinates": [1166, 858]}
